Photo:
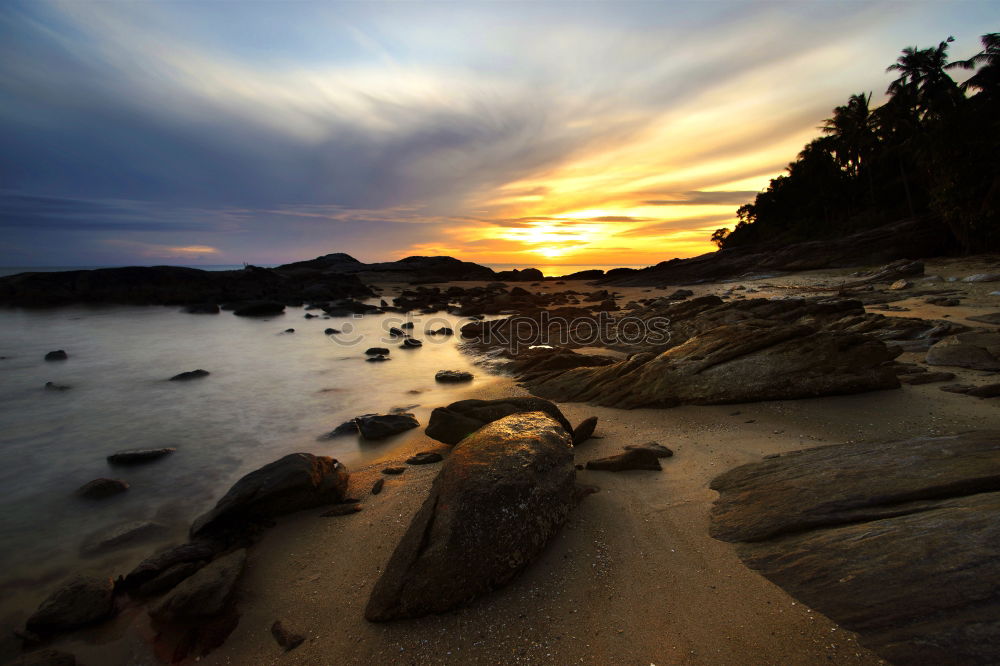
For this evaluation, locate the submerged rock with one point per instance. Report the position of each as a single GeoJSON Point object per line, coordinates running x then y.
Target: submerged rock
{"type": "Point", "coordinates": [80, 602]}
{"type": "Point", "coordinates": [460, 419]}
{"type": "Point", "coordinates": [494, 505]}
{"type": "Point", "coordinates": [453, 376]}
{"type": "Point", "coordinates": [58, 355]}
{"type": "Point", "coordinates": [189, 375]}
{"type": "Point", "coordinates": [119, 536]}
{"type": "Point", "coordinates": [101, 488]}
{"type": "Point", "coordinates": [52, 386]}
{"type": "Point", "coordinates": [136, 456]}
{"type": "Point", "coordinates": [294, 482]}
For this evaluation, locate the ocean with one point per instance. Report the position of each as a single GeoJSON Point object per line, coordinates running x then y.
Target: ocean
{"type": "Point", "coordinates": [269, 394]}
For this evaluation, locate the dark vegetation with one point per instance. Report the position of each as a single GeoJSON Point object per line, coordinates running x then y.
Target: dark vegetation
{"type": "Point", "coordinates": [931, 151]}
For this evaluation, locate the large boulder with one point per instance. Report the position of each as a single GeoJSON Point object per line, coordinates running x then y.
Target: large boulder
{"type": "Point", "coordinates": [979, 350]}
{"type": "Point", "coordinates": [297, 481]}
{"type": "Point", "coordinates": [744, 362]}
{"type": "Point", "coordinates": [497, 500]}
{"type": "Point", "coordinates": [78, 603]}
{"type": "Point", "coordinates": [203, 595]}
{"type": "Point", "coordinates": [895, 541]}
{"type": "Point", "coordinates": [460, 419]}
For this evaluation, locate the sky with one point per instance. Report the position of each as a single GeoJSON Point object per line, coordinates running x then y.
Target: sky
{"type": "Point", "coordinates": [499, 132]}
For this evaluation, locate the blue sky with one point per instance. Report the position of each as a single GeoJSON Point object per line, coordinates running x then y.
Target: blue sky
{"type": "Point", "coordinates": [221, 132]}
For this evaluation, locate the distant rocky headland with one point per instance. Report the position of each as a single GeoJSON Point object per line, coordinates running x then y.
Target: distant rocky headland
{"type": "Point", "coordinates": [341, 276]}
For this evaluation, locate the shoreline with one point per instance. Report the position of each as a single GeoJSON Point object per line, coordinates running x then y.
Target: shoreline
{"type": "Point", "coordinates": [633, 577]}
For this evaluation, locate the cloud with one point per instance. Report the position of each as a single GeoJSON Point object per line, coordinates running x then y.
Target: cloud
{"type": "Point", "coordinates": [696, 198]}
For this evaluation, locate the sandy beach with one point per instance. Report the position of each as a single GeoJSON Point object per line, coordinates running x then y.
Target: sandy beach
{"type": "Point", "coordinates": [633, 578]}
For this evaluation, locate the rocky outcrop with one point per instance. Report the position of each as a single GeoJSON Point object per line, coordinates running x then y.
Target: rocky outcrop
{"type": "Point", "coordinates": [460, 419]}
{"type": "Point", "coordinates": [297, 481]}
{"type": "Point", "coordinates": [909, 239]}
{"type": "Point", "coordinates": [979, 350]}
{"type": "Point", "coordinates": [175, 285]}
{"type": "Point", "coordinates": [80, 602]}
{"type": "Point", "coordinates": [496, 502]}
{"type": "Point", "coordinates": [203, 595]}
{"type": "Point", "coordinates": [744, 362]}
{"type": "Point", "coordinates": [894, 541]}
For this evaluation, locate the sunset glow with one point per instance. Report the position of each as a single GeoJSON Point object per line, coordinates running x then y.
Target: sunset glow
{"type": "Point", "coordinates": [385, 131]}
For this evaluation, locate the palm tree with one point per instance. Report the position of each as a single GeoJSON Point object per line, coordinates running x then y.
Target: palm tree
{"type": "Point", "coordinates": [987, 79]}
{"type": "Point", "coordinates": [923, 80]}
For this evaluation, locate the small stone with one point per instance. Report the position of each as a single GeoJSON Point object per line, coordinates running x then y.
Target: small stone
{"type": "Point", "coordinates": [376, 351]}
{"type": "Point", "coordinates": [191, 374]}
{"type": "Point", "coordinates": [289, 640]}
{"type": "Point", "coordinates": [453, 376]}
{"type": "Point", "coordinates": [393, 470]}
{"type": "Point", "coordinates": [900, 284]}
{"type": "Point", "coordinates": [657, 448]}
{"type": "Point", "coordinates": [425, 458]}
{"type": "Point", "coordinates": [58, 355]}
{"type": "Point", "coordinates": [135, 456]}
{"type": "Point", "coordinates": [377, 486]}
{"type": "Point", "coordinates": [345, 509]}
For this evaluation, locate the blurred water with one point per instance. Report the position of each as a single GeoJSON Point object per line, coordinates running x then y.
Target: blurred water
{"type": "Point", "coordinates": [268, 394]}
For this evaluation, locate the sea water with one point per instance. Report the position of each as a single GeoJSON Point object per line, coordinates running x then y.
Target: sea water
{"type": "Point", "coordinates": [269, 393]}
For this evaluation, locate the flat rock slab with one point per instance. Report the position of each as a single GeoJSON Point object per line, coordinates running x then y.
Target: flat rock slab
{"type": "Point", "coordinates": [896, 541]}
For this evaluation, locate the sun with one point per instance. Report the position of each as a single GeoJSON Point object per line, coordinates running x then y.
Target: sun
{"type": "Point", "coordinates": [550, 252]}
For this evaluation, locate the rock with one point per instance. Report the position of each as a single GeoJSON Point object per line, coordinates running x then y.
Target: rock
{"type": "Point", "coordinates": [639, 458]}
{"type": "Point", "coordinates": [52, 386]}
{"type": "Point", "coordinates": [101, 488]}
{"type": "Point", "coordinates": [985, 391]}
{"type": "Point", "coordinates": [377, 486]}
{"type": "Point", "coordinates": [585, 430]}
{"type": "Point", "coordinates": [45, 657]}
{"type": "Point", "coordinates": [927, 377]}
{"type": "Point", "coordinates": [376, 351]}
{"type": "Point", "coordinates": [345, 509]}
{"type": "Point", "coordinates": [260, 309]}
{"type": "Point", "coordinates": [979, 350]}
{"type": "Point", "coordinates": [190, 374]}
{"type": "Point", "coordinates": [204, 594]}
{"type": "Point", "coordinates": [957, 388]}
{"type": "Point", "coordinates": [657, 448]}
{"type": "Point", "coordinates": [459, 419]}
{"type": "Point", "coordinates": [292, 483]}
{"type": "Point", "coordinates": [680, 294]}
{"type": "Point", "coordinates": [396, 332]}
{"type": "Point", "coordinates": [80, 602]}
{"type": "Point", "coordinates": [289, 640]}
{"type": "Point", "coordinates": [288, 331]}
{"type": "Point", "coordinates": [748, 361]}
{"type": "Point", "coordinates": [444, 330]}
{"type": "Point", "coordinates": [120, 535]}
{"type": "Point", "coordinates": [453, 376]}
{"type": "Point", "coordinates": [137, 456]}
{"type": "Point", "coordinates": [943, 301]}
{"type": "Point", "coordinates": [991, 318]}
{"type": "Point", "coordinates": [377, 359]}
{"type": "Point", "coordinates": [900, 284]}
{"type": "Point", "coordinates": [202, 308]}
{"type": "Point", "coordinates": [411, 343]}
{"type": "Point", "coordinates": [154, 566]}
{"type": "Point", "coordinates": [168, 580]}
{"type": "Point", "coordinates": [497, 500]}
{"type": "Point", "coordinates": [425, 458]}
{"type": "Point", "coordinates": [380, 426]}
{"type": "Point", "coordinates": [58, 355]}
{"type": "Point", "coordinates": [346, 428]}
{"type": "Point", "coordinates": [982, 277]}
{"type": "Point", "coordinates": [393, 470]}
{"type": "Point", "coordinates": [895, 541]}
{"type": "Point", "coordinates": [330, 331]}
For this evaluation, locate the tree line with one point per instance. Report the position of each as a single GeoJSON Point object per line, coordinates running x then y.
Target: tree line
{"type": "Point", "coordinates": [930, 151]}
